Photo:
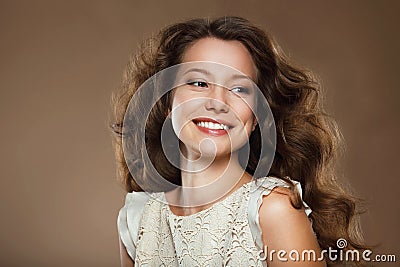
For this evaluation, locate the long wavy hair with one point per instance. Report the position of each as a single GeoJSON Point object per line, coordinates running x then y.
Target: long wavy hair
{"type": "Point", "coordinates": [308, 140]}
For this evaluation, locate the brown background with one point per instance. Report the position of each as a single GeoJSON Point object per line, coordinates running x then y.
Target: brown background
{"type": "Point", "coordinates": [60, 61]}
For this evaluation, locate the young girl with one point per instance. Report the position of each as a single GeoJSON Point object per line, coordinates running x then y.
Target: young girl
{"type": "Point", "coordinates": [238, 188]}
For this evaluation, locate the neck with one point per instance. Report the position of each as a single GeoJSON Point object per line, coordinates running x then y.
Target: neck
{"type": "Point", "coordinates": [205, 171]}
{"type": "Point", "coordinates": [207, 180]}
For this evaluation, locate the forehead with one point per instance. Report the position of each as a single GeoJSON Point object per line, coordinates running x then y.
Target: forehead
{"type": "Point", "coordinates": [231, 53]}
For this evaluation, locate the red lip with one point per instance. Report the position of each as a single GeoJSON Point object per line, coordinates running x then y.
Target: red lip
{"type": "Point", "coordinates": [213, 132]}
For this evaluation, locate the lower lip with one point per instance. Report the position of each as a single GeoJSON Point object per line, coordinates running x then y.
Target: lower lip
{"type": "Point", "coordinates": [213, 132]}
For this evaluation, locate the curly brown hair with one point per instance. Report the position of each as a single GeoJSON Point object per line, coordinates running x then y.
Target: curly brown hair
{"type": "Point", "coordinates": [308, 140]}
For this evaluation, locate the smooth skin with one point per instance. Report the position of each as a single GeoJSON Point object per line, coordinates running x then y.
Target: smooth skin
{"type": "Point", "coordinates": [286, 228]}
{"type": "Point", "coordinates": [283, 227]}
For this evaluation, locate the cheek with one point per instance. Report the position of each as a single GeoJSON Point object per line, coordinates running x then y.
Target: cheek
{"type": "Point", "coordinates": [183, 106]}
{"type": "Point", "coordinates": [177, 98]}
{"type": "Point", "coordinates": [179, 108]}
{"type": "Point", "coordinates": [183, 98]}
{"type": "Point", "coordinates": [244, 112]}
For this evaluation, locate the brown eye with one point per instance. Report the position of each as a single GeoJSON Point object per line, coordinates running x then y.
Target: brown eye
{"type": "Point", "coordinates": [198, 84]}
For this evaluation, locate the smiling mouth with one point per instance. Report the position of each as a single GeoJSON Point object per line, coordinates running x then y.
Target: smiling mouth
{"type": "Point", "coordinates": [211, 125]}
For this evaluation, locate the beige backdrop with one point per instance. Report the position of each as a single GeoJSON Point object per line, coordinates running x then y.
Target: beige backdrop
{"type": "Point", "coordinates": [60, 61]}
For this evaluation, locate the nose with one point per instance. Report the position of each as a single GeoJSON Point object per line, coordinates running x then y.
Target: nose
{"type": "Point", "coordinates": [217, 100]}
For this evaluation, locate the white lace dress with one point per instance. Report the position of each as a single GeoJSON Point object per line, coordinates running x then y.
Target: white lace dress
{"type": "Point", "coordinates": [226, 234]}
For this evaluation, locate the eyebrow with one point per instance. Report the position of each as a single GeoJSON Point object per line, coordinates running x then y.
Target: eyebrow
{"type": "Point", "coordinates": [197, 70]}
{"type": "Point", "coordinates": [206, 72]}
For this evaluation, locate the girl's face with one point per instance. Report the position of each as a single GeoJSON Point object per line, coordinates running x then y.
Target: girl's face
{"type": "Point", "coordinates": [212, 111]}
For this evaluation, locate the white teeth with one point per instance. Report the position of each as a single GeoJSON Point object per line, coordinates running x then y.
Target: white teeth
{"type": "Point", "coordinates": [214, 126]}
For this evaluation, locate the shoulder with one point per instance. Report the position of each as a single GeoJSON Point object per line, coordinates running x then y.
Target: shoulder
{"type": "Point", "coordinates": [276, 210]}
{"type": "Point", "coordinates": [283, 227]}
{"type": "Point", "coordinates": [277, 207]}
{"type": "Point", "coordinates": [274, 195]}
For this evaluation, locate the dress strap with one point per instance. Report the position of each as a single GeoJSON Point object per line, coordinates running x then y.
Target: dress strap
{"type": "Point", "coordinates": [129, 220]}
{"type": "Point", "coordinates": [263, 187]}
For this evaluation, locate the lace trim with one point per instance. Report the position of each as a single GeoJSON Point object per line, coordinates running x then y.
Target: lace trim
{"type": "Point", "coordinates": [148, 228]}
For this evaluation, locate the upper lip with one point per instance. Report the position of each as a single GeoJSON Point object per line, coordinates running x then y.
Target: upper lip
{"type": "Point", "coordinates": [212, 120]}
